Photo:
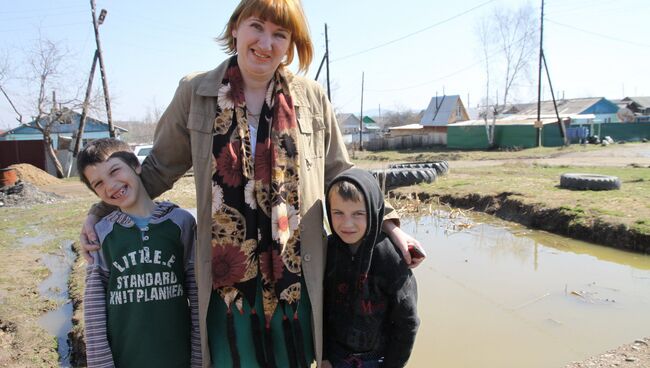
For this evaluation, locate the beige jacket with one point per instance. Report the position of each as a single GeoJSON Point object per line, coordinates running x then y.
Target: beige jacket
{"type": "Point", "coordinates": [183, 139]}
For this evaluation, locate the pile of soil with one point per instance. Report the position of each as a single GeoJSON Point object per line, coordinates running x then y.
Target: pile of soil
{"type": "Point", "coordinates": [25, 194]}
{"type": "Point", "coordinates": [34, 175]}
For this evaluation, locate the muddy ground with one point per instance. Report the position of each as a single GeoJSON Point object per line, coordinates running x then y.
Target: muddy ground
{"type": "Point", "coordinates": [57, 192]}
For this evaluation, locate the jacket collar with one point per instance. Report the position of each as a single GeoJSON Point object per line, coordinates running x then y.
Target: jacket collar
{"type": "Point", "coordinates": [159, 212]}
{"type": "Point", "coordinates": [211, 83]}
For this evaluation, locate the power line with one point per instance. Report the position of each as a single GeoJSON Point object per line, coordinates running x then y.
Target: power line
{"type": "Point", "coordinates": [459, 71]}
{"type": "Point", "coordinates": [598, 34]}
{"type": "Point", "coordinates": [414, 33]}
{"type": "Point", "coordinates": [40, 9]}
{"type": "Point", "coordinates": [43, 27]}
{"type": "Point", "coordinates": [40, 16]}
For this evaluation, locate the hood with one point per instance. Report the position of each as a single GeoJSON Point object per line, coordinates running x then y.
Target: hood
{"type": "Point", "coordinates": [374, 200]}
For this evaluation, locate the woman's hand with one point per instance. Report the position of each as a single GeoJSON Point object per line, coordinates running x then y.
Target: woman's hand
{"type": "Point", "coordinates": [403, 241]}
{"type": "Point", "coordinates": [88, 238]}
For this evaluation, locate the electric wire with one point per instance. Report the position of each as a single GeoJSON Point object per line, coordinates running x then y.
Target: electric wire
{"type": "Point", "coordinates": [414, 33]}
{"type": "Point", "coordinates": [598, 34]}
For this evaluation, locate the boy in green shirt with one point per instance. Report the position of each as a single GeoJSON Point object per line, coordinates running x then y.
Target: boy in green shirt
{"type": "Point", "coordinates": [140, 304]}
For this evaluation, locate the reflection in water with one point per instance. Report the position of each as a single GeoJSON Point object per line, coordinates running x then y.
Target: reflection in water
{"type": "Point", "coordinates": [499, 295]}
{"type": "Point", "coordinates": [58, 322]}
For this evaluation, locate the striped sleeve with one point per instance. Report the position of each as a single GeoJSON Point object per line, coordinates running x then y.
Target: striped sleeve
{"type": "Point", "coordinates": [98, 351]}
{"type": "Point", "coordinates": [195, 336]}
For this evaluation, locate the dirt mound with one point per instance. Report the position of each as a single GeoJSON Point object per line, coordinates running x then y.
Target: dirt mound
{"type": "Point", "coordinates": [34, 175]}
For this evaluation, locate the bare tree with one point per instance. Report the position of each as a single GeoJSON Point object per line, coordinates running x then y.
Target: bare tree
{"type": "Point", "coordinates": [5, 69]}
{"type": "Point", "coordinates": [401, 116]}
{"type": "Point", "coordinates": [46, 65]}
{"type": "Point", "coordinates": [508, 37]}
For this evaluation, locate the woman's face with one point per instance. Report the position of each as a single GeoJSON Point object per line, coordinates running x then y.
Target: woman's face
{"type": "Point", "coordinates": [261, 47]}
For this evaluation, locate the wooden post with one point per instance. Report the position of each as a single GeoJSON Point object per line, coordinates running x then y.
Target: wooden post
{"type": "Point", "coordinates": [327, 57]}
{"type": "Point", "coordinates": [102, 69]}
{"type": "Point", "coordinates": [84, 114]}
{"type": "Point", "coordinates": [539, 76]}
{"type": "Point", "coordinates": [361, 117]}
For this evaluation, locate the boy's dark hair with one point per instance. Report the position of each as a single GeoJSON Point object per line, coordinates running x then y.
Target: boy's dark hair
{"type": "Point", "coordinates": [348, 191]}
{"type": "Point", "coordinates": [101, 150]}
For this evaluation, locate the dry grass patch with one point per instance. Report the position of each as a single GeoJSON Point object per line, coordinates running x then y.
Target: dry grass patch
{"type": "Point", "coordinates": [539, 185]}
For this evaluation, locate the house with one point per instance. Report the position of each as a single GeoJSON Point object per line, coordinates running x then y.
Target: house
{"type": "Point", "coordinates": [370, 125]}
{"type": "Point", "coordinates": [62, 130]}
{"type": "Point", "coordinates": [444, 110]}
{"type": "Point", "coordinates": [638, 105]}
{"type": "Point", "coordinates": [348, 123]}
{"type": "Point", "coordinates": [634, 109]}
{"type": "Point", "coordinates": [441, 112]}
{"type": "Point", "coordinates": [580, 111]}
{"type": "Point", "coordinates": [17, 143]}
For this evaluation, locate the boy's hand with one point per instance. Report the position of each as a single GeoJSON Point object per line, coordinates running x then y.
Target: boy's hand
{"type": "Point", "coordinates": [403, 241]}
{"type": "Point", "coordinates": [88, 238]}
{"type": "Point", "coordinates": [326, 364]}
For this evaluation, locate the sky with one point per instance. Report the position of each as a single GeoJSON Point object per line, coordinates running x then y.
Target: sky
{"type": "Point", "coordinates": [408, 51]}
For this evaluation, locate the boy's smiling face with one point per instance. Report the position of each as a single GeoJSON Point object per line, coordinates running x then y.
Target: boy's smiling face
{"type": "Point", "coordinates": [349, 218]}
{"type": "Point", "coordinates": [115, 182]}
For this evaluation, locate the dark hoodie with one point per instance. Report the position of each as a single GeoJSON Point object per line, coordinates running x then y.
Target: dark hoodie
{"type": "Point", "coordinates": [370, 296]}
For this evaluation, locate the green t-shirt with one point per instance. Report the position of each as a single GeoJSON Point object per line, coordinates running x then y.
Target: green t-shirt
{"type": "Point", "coordinates": [148, 318]}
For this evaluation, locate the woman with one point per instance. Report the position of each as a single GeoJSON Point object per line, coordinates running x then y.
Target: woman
{"type": "Point", "coordinates": [263, 144]}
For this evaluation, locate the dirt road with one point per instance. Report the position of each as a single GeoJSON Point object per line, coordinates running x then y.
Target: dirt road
{"type": "Point", "coordinates": [617, 155]}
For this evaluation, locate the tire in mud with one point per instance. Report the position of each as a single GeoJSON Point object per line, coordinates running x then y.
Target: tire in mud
{"type": "Point", "coordinates": [589, 182]}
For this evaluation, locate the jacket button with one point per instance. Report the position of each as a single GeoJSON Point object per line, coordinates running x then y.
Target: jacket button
{"type": "Point", "coordinates": [307, 257]}
{"type": "Point", "coordinates": [145, 238]}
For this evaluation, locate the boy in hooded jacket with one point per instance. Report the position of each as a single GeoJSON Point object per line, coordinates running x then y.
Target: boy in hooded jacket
{"type": "Point", "coordinates": [370, 293]}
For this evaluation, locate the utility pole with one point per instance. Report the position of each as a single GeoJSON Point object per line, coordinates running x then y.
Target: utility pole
{"type": "Point", "coordinates": [327, 57]}
{"type": "Point", "coordinates": [102, 70]}
{"type": "Point", "coordinates": [361, 117]}
{"type": "Point", "coordinates": [542, 59]}
{"type": "Point", "coordinates": [84, 114]}
{"type": "Point", "coordinates": [539, 79]}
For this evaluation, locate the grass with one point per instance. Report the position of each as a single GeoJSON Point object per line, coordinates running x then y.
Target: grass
{"type": "Point", "coordinates": [539, 185]}
{"type": "Point", "coordinates": [25, 343]}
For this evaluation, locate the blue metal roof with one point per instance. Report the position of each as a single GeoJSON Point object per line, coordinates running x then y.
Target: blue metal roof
{"type": "Point", "coordinates": [67, 124]}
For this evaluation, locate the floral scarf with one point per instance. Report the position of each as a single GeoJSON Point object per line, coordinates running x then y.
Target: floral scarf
{"type": "Point", "coordinates": [256, 202]}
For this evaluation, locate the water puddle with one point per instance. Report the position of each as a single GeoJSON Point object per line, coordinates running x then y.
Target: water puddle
{"type": "Point", "coordinates": [59, 321]}
{"type": "Point", "coordinates": [27, 241]}
{"type": "Point", "coordinates": [495, 294]}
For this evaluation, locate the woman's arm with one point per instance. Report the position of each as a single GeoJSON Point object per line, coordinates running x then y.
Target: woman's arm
{"type": "Point", "coordinates": [170, 158]}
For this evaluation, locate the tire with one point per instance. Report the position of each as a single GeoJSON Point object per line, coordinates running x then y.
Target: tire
{"type": "Point", "coordinates": [400, 177]}
{"type": "Point", "coordinates": [589, 182]}
{"type": "Point", "coordinates": [442, 167]}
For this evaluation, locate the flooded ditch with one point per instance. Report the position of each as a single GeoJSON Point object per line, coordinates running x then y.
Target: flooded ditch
{"type": "Point", "coordinates": [495, 294]}
{"type": "Point", "coordinates": [58, 322]}
{"type": "Point", "coordinates": [491, 294]}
